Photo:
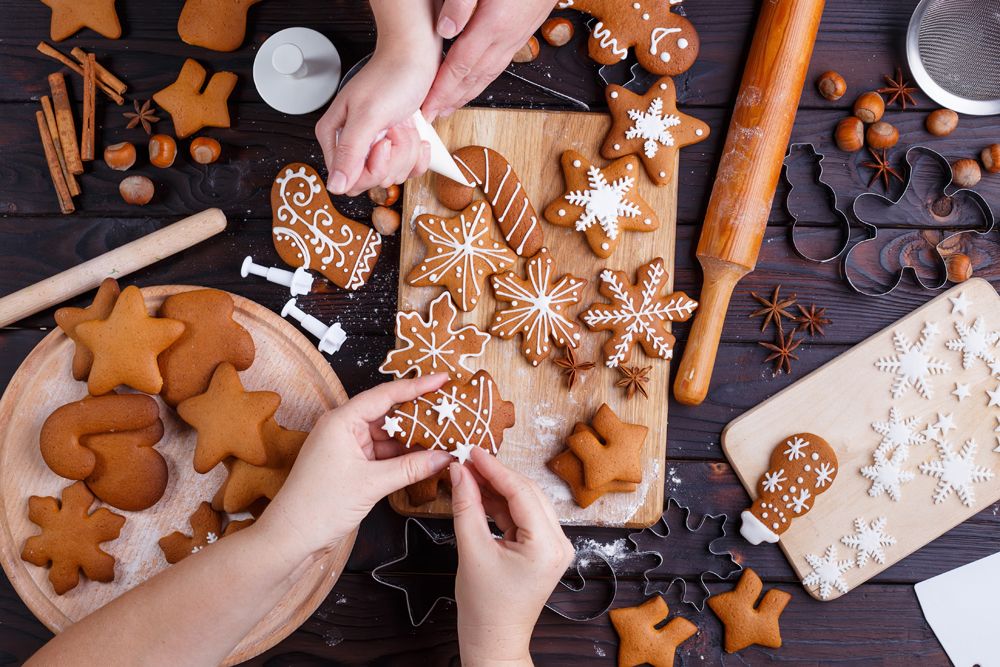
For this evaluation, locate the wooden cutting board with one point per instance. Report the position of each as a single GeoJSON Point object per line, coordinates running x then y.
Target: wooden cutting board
{"type": "Point", "coordinates": [546, 412]}
{"type": "Point", "coordinates": [285, 362]}
{"type": "Point", "coordinates": [841, 401]}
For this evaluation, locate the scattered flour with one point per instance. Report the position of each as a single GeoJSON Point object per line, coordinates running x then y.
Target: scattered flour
{"type": "Point", "coordinates": [614, 552]}
{"type": "Point", "coordinates": [599, 650]}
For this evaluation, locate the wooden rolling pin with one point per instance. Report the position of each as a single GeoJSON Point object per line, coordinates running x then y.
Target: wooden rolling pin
{"type": "Point", "coordinates": [115, 263]}
{"type": "Point", "coordinates": [748, 176]}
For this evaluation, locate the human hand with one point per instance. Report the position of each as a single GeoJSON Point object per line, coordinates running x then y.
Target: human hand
{"type": "Point", "coordinates": [346, 465]}
{"type": "Point", "coordinates": [491, 32]}
{"type": "Point", "coordinates": [502, 585]}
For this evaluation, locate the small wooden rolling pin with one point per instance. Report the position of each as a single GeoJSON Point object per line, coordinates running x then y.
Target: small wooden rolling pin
{"type": "Point", "coordinates": [748, 176]}
{"type": "Point", "coordinates": [115, 263]}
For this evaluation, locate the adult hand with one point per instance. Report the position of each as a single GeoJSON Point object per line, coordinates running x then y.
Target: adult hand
{"type": "Point", "coordinates": [502, 585]}
{"type": "Point", "coordinates": [491, 32]}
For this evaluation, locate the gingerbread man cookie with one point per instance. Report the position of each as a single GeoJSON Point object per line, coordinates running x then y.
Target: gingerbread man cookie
{"type": "Point", "coordinates": [69, 318]}
{"type": "Point", "coordinates": [601, 203]}
{"type": "Point", "coordinates": [434, 345]}
{"type": "Point", "coordinates": [644, 638]}
{"type": "Point", "coordinates": [71, 16]}
{"type": "Point", "coordinates": [192, 108]}
{"type": "Point", "coordinates": [651, 127]}
{"type": "Point", "coordinates": [609, 449]}
{"type": "Point", "coordinates": [211, 24]}
{"type": "Point", "coordinates": [248, 483]}
{"type": "Point", "coordinates": [71, 538]}
{"type": "Point", "coordinates": [309, 232]}
{"type": "Point", "coordinates": [206, 528]}
{"type": "Point", "coordinates": [460, 255]}
{"type": "Point", "coordinates": [746, 622]}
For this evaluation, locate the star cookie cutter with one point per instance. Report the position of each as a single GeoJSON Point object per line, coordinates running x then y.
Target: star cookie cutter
{"type": "Point", "coordinates": [808, 151]}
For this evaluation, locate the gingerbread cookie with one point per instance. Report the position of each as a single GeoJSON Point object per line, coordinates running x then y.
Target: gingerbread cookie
{"type": "Point", "coordinates": [801, 467]}
{"type": "Point", "coordinates": [206, 528]}
{"type": "Point", "coordinates": [211, 24]}
{"type": "Point", "coordinates": [665, 43]}
{"type": "Point", "coordinates": [434, 345]}
{"type": "Point", "coordinates": [512, 209]}
{"type": "Point", "coordinates": [638, 313]}
{"type": "Point", "coordinates": [427, 490]}
{"type": "Point", "coordinates": [237, 526]}
{"type": "Point", "coordinates": [642, 641]}
{"type": "Point", "coordinates": [71, 537]}
{"type": "Point", "coordinates": [229, 420]}
{"type": "Point", "coordinates": [745, 621]}
{"type": "Point", "coordinates": [460, 415]}
{"type": "Point", "coordinates": [309, 232]}
{"type": "Point", "coordinates": [211, 337]}
{"type": "Point", "coordinates": [460, 255]}
{"type": "Point", "coordinates": [69, 318]}
{"type": "Point", "coordinates": [651, 127]}
{"type": "Point", "coordinates": [601, 203]}
{"type": "Point", "coordinates": [71, 16]}
{"type": "Point", "coordinates": [610, 449]}
{"type": "Point", "coordinates": [247, 483]}
{"type": "Point", "coordinates": [567, 466]}
{"type": "Point", "coordinates": [192, 108]}
{"type": "Point", "coordinates": [538, 308]}
{"type": "Point", "coordinates": [126, 345]}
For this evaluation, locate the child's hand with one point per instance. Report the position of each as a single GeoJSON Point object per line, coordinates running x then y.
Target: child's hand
{"type": "Point", "coordinates": [502, 585]}
{"type": "Point", "coordinates": [346, 466]}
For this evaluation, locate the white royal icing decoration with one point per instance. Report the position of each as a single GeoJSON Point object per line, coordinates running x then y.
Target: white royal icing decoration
{"type": "Point", "coordinates": [897, 431]}
{"type": "Point", "coordinates": [887, 475]}
{"type": "Point", "coordinates": [603, 35]}
{"type": "Point", "coordinates": [653, 126]}
{"type": "Point", "coordinates": [961, 392]}
{"type": "Point", "coordinates": [827, 572]}
{"type": "Point", "coordinates": [794, 448]}
{"type": "Point", "coordinates": [870, 540]}
{"type": "Point", "coordinates": [463, 451]}
{"type": "Point", "coordinates": [604, 203]}
{"type": "Point", "coordinates": [773, 480]}
{"type": "Point", "coordinates": [391, 426]}
{"type": "Point", "coordinates": [974, 342]}
{"type": "Point", "coordinates": [956, 472]}
{"type": "Point", "coordinates": [655, 37]}
{"type": "Point", "coordinates": [445, 408]}
{"type": "Point", "coordinates": [959, 303]}
{"type": "Point", "coordinates": [912, 364]}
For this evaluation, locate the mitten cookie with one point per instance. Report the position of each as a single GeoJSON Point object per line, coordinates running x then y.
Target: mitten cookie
{"type": "Point", "coordinates": [638, 313]}
{"type": "Point", "coordinates": [247, 483]}
{"type": "Point", "coordinates": [496, 178]}
{"type": "Point", "coordinates": [460, 415]}
{"type": "Point", "coordinates": [642, 641]}
{"type": "Point", "coordinates": [206, 528]}
{"type": "Point", "coordinates": [746, 622]}
{"type": "Point", "coordinates": [69, 318]}
{"type": "Point", "coordinates": [229, 420]}
{"type": "Point", "coordinates": [460, 254]}
{"type": "Point", "coordinates": [568, 467]}
{"type": "Point", "coordinates": [71, 16]}
{"type": "Point", "coordinates": [801, 467]}
{"type": "Point", "coordinates": [71, 538]}
{"type": "Point", "coordinates": [665, 43]}
{"type": "Point", "coordinates": [609, 449]}
{"type": "Point", "coordinates": [538, 307]}
{"type": "Point", "coordinates": [189, 106]}
{"type": "Point", "coordinates": [309, 232]}
{"type": "Point", "coordinates": [211, 337]}
{"type": "Point", "coordinates": [651, 127]}
{"type": "Point", "coordinates": [126, 345]}
{"type": "Point", "coordinates": [219, 25]}
{"type": "Point", "coordinates": [434, 345]}
{"type": "Point", "coordinates": [601, 203]}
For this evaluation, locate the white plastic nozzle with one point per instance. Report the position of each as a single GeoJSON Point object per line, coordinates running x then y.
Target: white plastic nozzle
{"type": "Point", "coordinates": [298, 282]}
{"type": "Point", "coordinates": [330, 337]}
{"type": "Point", "coordinates": [288, 60]}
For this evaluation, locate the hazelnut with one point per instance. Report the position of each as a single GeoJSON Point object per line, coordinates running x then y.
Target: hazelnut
{"type": "Point", "coordinates": [120, 157]}
{"type": "Point", "coordinates": [384, 196]}
{"type": "Point", "coordinates": [882, 135]}
{"type": "Point", "coordinates": [162, 150]}
{"type": "Point", "coordinates": [869, 107]}
{"type": "Point", "coordinates": [136, 190]}
{"type": "Point", "coordinates": [205, 150]}
{"type": "Point", "coordinates": [850, 134]}
{"type": "Point", "coordinates": [526, 53]}
{"type": "Point", "coordinates": [965, 173]}
{"type": "Point", "coordinates": [385, 220]}
{"type": "Point", "coordinates": [557, 31]}
{"type": "Point", "coordinates": [991, 158]}
{"type": "Point", "coordinates": [831, 85]}
{"type": "Point", "coordinates": [942, 122]}
{"type": "Point", "coordinates": [959, 267]}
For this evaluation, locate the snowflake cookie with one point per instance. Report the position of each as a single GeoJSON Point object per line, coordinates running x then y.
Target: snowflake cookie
{"type": "Point", "coordinates": [898, 431]}
{"type": "Point", "coordinates": [974, 342]}
{"type": "Point", "coordinates": [538, 307]}
{"type": "Point", "coordinates": [870, 540]}
{"type": "Point", "coordinates": [435, 344]}
{"type": "Point", "coordinates": [651, 127]}
{"type": "Point", "coordinates": [888, 474]}
{"type": "Point", "coordinates": [827, 572]}
{"type": "Point", "coordinates": [913, 364]}
{"type": "Point", "coordinates": [601, 203]}
{"type": "Point", "coordinates": [638, 313]}
{"type": "Point", "coordinates": [956, 472]}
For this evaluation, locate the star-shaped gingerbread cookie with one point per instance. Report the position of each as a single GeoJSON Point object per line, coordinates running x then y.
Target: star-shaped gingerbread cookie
{"type": "Point", "coordinates": [191, 108]}
{"type": "Point", "coordinates": [610, 449]}
{"type": "Point", "coordinates": [641, 641]}
{"type": "Point", "coordinates": [71, 16]}
{"type": "Point", "coordinates": [601, 203]}
{"type": "Point", "coordinates": [746, 622]}
{"type": "Point", "coordinates": [247, 483]}
{"type": "Point", "coordinates": [651, 127]}
{"type": "Point", "coordinates": [69, 318]}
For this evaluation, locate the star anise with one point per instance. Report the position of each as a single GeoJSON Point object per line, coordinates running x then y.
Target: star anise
{"type": "Point", "coordinates": [773, 309]}
{"type": "Point", "coordinates": [812, 320]}
{"type": "Point", "coordinates": [572, 368]}
{"type": "Point", "coordinates": [883, 168]}
{"type": "Point", "coordinates": [782, 351]}
{"type": "Point", "coordinates": [145, 115]}
{"type": "Point", "coordinates": [899, 89]}
{"type": "Point", "coordinates": [634, 379]}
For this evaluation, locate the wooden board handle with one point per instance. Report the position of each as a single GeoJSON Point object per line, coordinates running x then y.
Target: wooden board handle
{"type": "Point", "coordinates": [115, 263]}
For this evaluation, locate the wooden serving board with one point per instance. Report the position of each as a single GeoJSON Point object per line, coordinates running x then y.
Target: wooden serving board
{"type": "Point", "coordinates": [840, 402]}
{"type": "Point", "coordinates": [533, 142]}
{"type": "Point", "coordinates": [285, 362]}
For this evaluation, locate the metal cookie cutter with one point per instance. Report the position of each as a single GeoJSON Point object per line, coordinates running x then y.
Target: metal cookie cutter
{"type": "Point", "coordinates": [816, 178]}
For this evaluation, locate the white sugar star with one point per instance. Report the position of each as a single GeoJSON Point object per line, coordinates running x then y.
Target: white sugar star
{"type": "Point", "coordinates": [391, 426]}
{"type": "Point", "coordinates": [931, 433]}
{"type": "Point", "coordinates": [462, 451]}
{"type": "Point", "coordinates": [961, 391]}
{"type": "Point", "coordinates": [994, 397]}
{"type": "Point", "coordinates": [945, 423]}
{"type": "Point", "coordinates": [995, 369]}
{"type": "Point", "coordinates": [446, 409]}
{"type": "Point", "coordinates": [959, 303]}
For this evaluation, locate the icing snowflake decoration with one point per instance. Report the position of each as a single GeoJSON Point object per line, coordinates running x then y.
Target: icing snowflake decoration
{"type": "Point", "coordinates": [210, 538]}
{"type": "Point", "coordinates": [870, 541]}
{"type": "Point", "coordinates": [824, 474]}
{"type": "Point", "coordinates": [604, 203]}
{"type": "Point", "coordinates": [974, 342]}
{"type": "Point", "coordinates": [956, 472]}
{"type": "Point", "coordinates": [773, 480]}
{"type": "Point", "coordinates": [898, 431]}
{"type": "Point", "coordinates": [799, 503]}
{"type": "Point", "coordinates": [827, 572]}
{"type": "Point", "coordinates": [653, 126]}
{"type": "Point", "coordinates": [887, 475]}
{"type": "Point", "coordinates": [794, 449]}
{"type": "Point", "coordinates": [912, 364]}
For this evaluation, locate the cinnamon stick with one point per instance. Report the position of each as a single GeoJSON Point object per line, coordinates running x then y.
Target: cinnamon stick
{"type": "Point", "coordinates": [65, 123]}
{"type": "Point", "coordinates": [103, 75]}
{"type": "Point", "coordinates": [49, 51]}
{"type": "Point", "coordinates": [50, 121]}
{"type": "Point", "coordinates": [55, 171]}
{"type": "Point", "coordinates": [87, 131]}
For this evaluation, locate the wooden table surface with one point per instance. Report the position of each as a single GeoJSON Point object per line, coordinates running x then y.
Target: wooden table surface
{"type": "Point", "coordinates": [363, 622]}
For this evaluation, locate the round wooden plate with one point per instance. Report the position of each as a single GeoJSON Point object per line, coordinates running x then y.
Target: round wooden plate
{"type": "Point", "coordinates": [286, 362]}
